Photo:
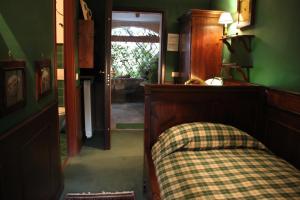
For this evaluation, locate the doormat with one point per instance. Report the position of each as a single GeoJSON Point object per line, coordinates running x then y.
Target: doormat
{"type": "Point", "coordinates": [130, 126]}
{"type": "Point", "coordinates": [101, 196]}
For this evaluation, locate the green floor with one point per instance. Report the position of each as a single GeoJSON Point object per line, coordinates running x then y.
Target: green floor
{"type": "Point", "coordinates": [130, 126]}
{"type": "Point", "coordinates": [118, 169]}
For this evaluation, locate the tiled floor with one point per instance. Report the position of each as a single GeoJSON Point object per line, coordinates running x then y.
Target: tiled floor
{"type": "Point", "coordinates": [127, 113]}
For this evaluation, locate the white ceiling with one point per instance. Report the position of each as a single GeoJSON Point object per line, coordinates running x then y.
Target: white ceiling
{"type": "Point", "coordinates": [131, 16]}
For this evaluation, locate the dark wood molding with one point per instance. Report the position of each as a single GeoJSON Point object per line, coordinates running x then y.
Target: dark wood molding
{"type": "Point", "coordinates": [30, 158]}
{"type": "Point", "coordinates": [164, 41]}
{"type": "Point", "coordinates": [107, 79]}
{"type": "Point", "coordinates": [283, 124]}
{"type": "Point", "coordinates": [70, 76]}
{"type": "Point", "coordinates": [54, 63]}
{"type": "Point", "coordinates": [288, 101]}
{"type": "Point", "coordinates": [149, 39]}
{"type": "Point", "coordinates": [151, 178]}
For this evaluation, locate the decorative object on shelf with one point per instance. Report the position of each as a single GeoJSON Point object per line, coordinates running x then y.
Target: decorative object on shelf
{"type": "Point", "coordinates": [12, 86]}
{"type": "Point", "coordinates": [225, 19]}
{"type": "Point", "coordinates": [239, 69]}
{"type": "Point", "coordinates": [87, 13]}
{"type": "Point", "coordinates": [245, 13]}
{"type": "Point", "coordinates": [216, 81]}
{"type": "Point", "coordinates": [176, 77]}
{"type": "Point", "coordinates": [43, 77]}
{"type": "Point", "coordinates": [245, 39]}
{"type": "Point", "coordinates": [195, 81]}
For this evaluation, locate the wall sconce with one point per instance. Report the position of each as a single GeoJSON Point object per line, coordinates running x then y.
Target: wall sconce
{"type": "Point", "coordinates": [225, 19]}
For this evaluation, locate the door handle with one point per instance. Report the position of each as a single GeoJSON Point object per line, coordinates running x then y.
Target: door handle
{"type": "Point", "coordinates": [101, 72]}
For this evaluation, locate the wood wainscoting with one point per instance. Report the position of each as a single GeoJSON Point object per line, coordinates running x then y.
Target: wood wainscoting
{"type": "Point", "coordinates": [30, 166]}
{"type": "Point", "coordinates": [283, 125]}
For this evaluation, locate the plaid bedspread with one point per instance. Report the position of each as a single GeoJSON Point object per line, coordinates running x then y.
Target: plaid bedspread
{"type": "Point", "coordinates": [222, 173]}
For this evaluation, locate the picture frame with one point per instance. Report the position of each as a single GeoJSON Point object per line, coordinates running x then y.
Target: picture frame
{"type": "Point", "coordinates": [43, 78]}
{"type": "Point", "coordinates": [12, 86]}
{"type": "Point", "coordinates": [245, 9]}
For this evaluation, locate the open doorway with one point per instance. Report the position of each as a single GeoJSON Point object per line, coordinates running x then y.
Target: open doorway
{"type": "Point", "coordinates": [61, 80]}
{"type": "Point", "coordinates": [136, 51]}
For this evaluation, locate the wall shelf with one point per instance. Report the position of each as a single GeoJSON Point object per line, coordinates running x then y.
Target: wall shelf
{"type": "Point", "coordinates": [245, 39]}
{"type": "Point", "coordinates": [239, 68]}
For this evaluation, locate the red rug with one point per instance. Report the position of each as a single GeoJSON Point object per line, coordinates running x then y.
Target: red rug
{"type": "Point", "coordinates": [101, 196]}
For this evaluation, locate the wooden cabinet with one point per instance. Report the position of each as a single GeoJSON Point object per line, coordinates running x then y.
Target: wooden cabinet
{"type": "Point", "coordinates": [86, 44]}
{"type": "Point", "coordinates": [200, 47]}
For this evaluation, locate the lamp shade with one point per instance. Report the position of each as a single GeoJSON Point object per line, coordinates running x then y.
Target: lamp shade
{"type": "Point", "coordinates": [225, 18]}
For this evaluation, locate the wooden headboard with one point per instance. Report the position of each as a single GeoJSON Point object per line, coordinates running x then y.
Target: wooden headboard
{"type": "Point", "coordinates": [270, 115]}
{"type": "Point", "coordinates": [169, 105]}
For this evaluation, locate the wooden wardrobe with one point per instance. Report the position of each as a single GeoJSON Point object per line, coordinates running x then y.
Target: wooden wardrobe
{"type": "Point", "coordinates": [200, 47]}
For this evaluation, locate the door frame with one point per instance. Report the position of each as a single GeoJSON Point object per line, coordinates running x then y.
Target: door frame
{"type": "Point", "coordinates": [163, 42]}
{"type": "Point", "coordinates": [70, 77]}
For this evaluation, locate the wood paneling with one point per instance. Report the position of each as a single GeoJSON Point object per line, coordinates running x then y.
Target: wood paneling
{"type": "Point", "coordinates": [270, 115]}
{"type": "Point", "coordinates": [283, 125]}
{"type": "Point", "coordinates": [170, 105]}
{"type": "Point", "coordinates": [70, 45]}
{"type": "Point", "coordinates": [86, 44]}
{"type": "Point", "coordinates": [30, 165]}
{"type": "Point", "coordinates": [200, 48]}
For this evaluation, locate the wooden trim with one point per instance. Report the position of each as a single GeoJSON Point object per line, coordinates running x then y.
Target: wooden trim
{"type": "Point", "coordinates": [164, 38]}
{"type": "Point", "coordinates": [285, 101]}
{"type": "Point", "coordinates": [54, 63]}
{"type": "Point", "coordinates": [148, 25]}
{"type": "Point", "coordinates": [152, 178]}
{"type": "Point", "coordinates": [107, 79]}
{"type": "Point", "coordinates": [28, 120]}
{"type": "Point", "coordinates": [70, 76]}
{"type": "Point", "coordinates": [145, 39]}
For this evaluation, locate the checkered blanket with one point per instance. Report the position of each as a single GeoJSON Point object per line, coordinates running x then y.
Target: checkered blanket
{"type": "Point", "coordinates": [214, 161]}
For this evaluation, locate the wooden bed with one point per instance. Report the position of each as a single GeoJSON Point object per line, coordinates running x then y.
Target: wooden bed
{"type": "Point", "coordinates": [271, 116]}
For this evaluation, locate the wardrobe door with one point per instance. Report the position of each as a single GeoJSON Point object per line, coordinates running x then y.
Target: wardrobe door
{"type": "Point", "coordinates": [185, 50]}
{"type": "Point", "coordinates": [206, 46]}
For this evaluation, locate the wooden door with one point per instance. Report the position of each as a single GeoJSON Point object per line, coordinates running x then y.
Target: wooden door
{"type": "Point", "coordinates": [185, 49]}
{"type": "Point", "coordinates": [107, 87]}
{"type": "Point", "coordinates": [101, 72]}
{"type": "Point", "coordinates": [206, 46]}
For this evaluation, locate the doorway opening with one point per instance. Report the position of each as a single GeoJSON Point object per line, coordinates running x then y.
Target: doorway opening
{"type": "Point", "coordinates": [136, 57]}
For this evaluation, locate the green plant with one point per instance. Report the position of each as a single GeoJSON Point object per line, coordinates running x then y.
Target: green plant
{"type": "Point", "coordinates": [135, 60]}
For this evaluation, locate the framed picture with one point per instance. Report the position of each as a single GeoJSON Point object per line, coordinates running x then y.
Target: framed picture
{"type": "Point", "coordinates": [43, 78]}
{"type": "Point", "coordinates": [12, 86]}
{"type": "Point", "coordinates": [245, 13]}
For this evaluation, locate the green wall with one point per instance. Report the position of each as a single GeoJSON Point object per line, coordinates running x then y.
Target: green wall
{"type": "Point", "coordinates": [26, 29]}
{"type": "Point", "coordinates": [60, 83]}
{"type": "Point", "coordinates": [173, 9]}
{"type": "Point", "coordinates": [276, 45]}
